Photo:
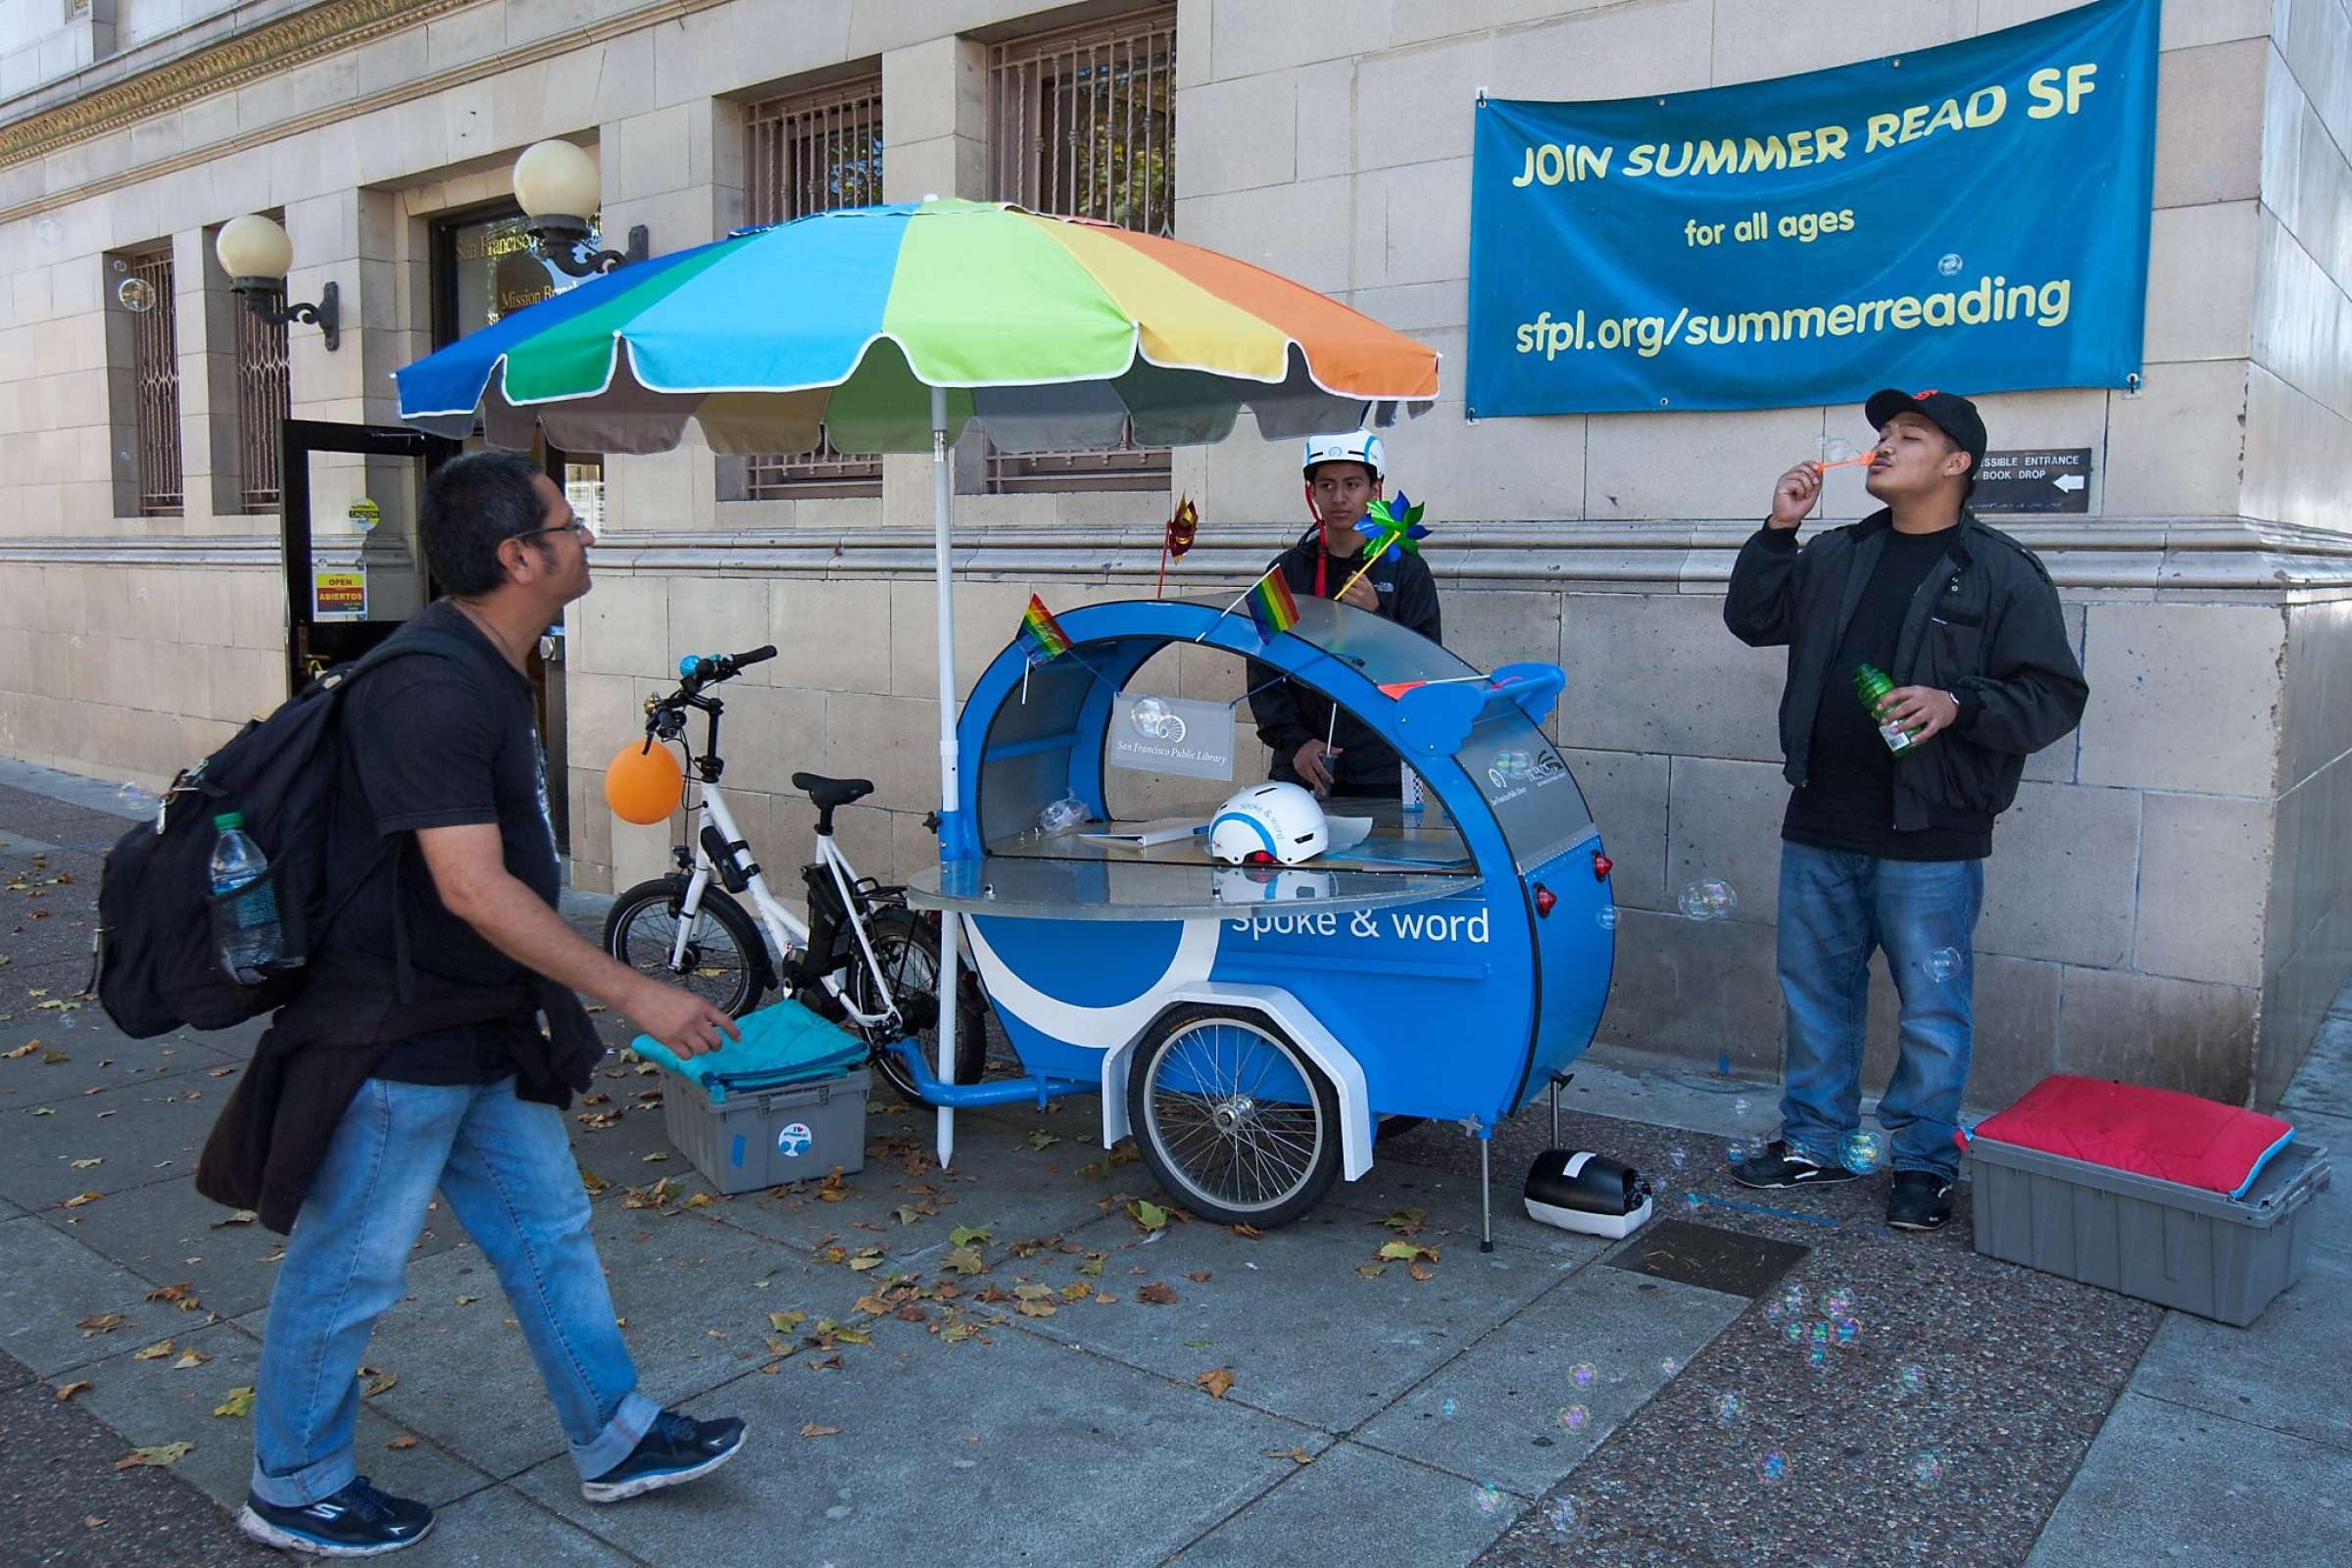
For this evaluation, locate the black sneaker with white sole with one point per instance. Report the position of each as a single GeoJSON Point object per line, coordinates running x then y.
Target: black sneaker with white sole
{"type": "Point", "coordinates": [1922, 1200]}
{"type": "Point", "coordinates": [675, 1448]}
{"type": "Point", "coordinates": [357, 1522]}
{"type": "Point", "coordinates": [1776, 1165]}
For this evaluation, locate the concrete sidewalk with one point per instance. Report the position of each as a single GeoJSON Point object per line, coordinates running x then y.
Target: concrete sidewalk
{"type": "Point", "coordinates": [1691, 1396]}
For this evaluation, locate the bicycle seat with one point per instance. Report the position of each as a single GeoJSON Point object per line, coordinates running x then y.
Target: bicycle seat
{"type": "Point", "coordinates": [828, 793]}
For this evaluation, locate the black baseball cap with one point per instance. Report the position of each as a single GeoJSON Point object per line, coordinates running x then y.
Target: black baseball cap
{"type": "Point", "coordinates": [1948, 412]}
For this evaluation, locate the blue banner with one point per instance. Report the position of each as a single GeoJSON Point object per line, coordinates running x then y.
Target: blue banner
{"type": "Point", "coordinates": [1973, 216]}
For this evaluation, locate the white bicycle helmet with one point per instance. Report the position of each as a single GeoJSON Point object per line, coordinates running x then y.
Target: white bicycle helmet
{"type": "Point", "coordinates": [1346, 445]}
{"type": "Point", "coordinates": [1266, 884]}
{"type": "Point", "coordinates": [1279, 824]}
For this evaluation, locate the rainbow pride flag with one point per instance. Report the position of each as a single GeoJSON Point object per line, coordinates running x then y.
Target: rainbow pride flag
{"type": "Point", "coordinates": [1272, 608]}
{"type": "Point", "coordinates": [1043, 634]}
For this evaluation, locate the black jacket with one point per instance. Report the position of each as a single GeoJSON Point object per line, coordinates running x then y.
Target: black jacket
{"type": "Point", "coordinates": [1984, 626]}
{"type": "Point", "coordinates": [1289, 714]}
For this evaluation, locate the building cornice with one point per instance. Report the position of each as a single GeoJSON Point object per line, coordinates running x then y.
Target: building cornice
{"type": "Point", "coordinates": [2172, 557]}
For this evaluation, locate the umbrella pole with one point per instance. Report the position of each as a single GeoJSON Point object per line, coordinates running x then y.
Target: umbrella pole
{"type": "Point", "coordinates": [951, 924]}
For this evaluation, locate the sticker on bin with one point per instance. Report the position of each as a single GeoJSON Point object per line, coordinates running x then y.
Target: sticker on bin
{"type": "Point", "coordinates": [794, 1141]}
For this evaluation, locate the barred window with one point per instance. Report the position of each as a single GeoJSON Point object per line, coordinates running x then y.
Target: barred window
{"type": "Point", "coordinates": [1084, 122]}
{"type": "Point", "coordinates": [264, 399]}
{"type": "Point", "coordinates": [155, 378]}
{"type": "Point", "coordinates": [813, 152]}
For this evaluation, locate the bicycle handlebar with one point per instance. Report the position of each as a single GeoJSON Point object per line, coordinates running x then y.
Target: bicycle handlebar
{"type": "Point", "coordinates": [706, 669]}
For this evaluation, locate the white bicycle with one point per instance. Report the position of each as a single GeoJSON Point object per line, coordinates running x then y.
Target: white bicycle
{"type": "Point", "coordinates": [862, 957]}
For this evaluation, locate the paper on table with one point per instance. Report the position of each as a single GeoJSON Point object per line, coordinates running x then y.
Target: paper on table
{"type": "Point", "coordinates": [1142, 835]}
{"type": "Point", "coordinates": [1345, 832]}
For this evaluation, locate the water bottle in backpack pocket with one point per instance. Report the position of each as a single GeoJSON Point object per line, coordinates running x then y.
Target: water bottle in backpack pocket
{"type": "Point", "coordinates": [247, 933]}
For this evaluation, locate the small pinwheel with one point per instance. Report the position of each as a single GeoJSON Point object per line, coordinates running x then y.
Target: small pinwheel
{"type": "Point", "coordinates": [1393, 528]}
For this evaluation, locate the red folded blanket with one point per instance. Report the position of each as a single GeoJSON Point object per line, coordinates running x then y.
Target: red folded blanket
{"type": "Point", "coordinates": [2149, 1132]}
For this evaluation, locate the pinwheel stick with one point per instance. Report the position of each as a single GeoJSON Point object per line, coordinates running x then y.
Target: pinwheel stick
{"type": "Point", "coordinates": [1372, 554]}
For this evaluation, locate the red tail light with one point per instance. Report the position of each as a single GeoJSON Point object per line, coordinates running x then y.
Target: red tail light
{"type": "Point", "coordinates": [1545, 898]}
{"type": "Point", "coordinates": [1602, 866]}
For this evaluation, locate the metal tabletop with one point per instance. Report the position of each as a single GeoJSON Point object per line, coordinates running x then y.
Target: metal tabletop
{"type": "Point", "coordinates": [1100, 887]}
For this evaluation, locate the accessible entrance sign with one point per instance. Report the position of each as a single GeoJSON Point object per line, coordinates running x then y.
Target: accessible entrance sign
{"type": "Point", "coordinates": [1973, 216]}
{"type": "Point", "coordinates": [2034, 481]}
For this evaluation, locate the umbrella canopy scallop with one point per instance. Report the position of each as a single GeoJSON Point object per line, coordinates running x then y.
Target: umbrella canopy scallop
{"type": "Point", "coordinates": [1052, 332]}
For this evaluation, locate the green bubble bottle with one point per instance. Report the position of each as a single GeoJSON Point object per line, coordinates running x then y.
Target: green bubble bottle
{"type": "Point", "coordinates": [1871, 686]}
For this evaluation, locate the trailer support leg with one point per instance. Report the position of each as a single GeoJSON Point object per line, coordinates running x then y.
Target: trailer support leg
{"type": "Point", "coordinates": [1486, 1189]}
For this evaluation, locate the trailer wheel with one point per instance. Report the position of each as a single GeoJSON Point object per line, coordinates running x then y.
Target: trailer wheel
{"type": "Point", "coordinates": [1232, 1117]}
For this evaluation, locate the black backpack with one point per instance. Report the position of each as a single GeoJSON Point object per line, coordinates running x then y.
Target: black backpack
{"type": "Point", "coordinates": [158, 958]}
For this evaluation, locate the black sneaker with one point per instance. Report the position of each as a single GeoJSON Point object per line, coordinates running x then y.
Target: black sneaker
{"type": "Point", "coordinates": [1777, 1166]}
{"type": "Point", "coordinates": [1921, 1201]}
{"type": "Point", "coordinates": [357, 1522]}
{"type": "Point", "coordinates": [675, 1448]}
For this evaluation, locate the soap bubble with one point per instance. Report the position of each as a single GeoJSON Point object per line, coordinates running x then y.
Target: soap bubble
{"type": "Point", "coordinates": [121, 266]}
{"type": "Point", "coordinates": [1838, 1302]}
{"type": "Point", "coordinates": [1818, 1356]}
{"type": "Point", "coordinates": [1678, 1158]}
{"type": "Point", "coordinates": [133, 796]}
{"type": "Point", "coordinates": [1848, 1331]}
{"type": "Point", "coordinates": [1837, 449]}
{"type": "Point", "coordinates": [48, 231]}
{"type": "Point", "coordinates": [1911, 1379]}
{"type": "Point", "coordinates": [1775, 1312]}
{"type": "Point", "coordinates": [1709, 899]}
{"type": "Point", "coordinates": [136, 295]}
{"type": "Point", "coordinates": [1726, 1409]}
{"type": "Point", "coordinates": [1064, 813]}
{"type": "Point", "coordinates": [1560, 1518]}
{"type": "Point", "coordinates": [1950, 264]}
{"type": "Point", "coordinates": [1487, 1498]}
{"type": "Point", "coordinates": [1607, 916]}
{"type": "Point", "coordinates": [1862, 1152]}
{"type": "Point", "coordinates": [1575, 1418]}
{"type": "Point", "coordinates": [1583, 1374]}
{"type": "Point", "coordinates": [1740, 1105]}
{"type": "Point", "coordinates": [1926, 1471]}
{"type": "Point", "coordinates": [1149, 717]}
{"type": "Point", "coordinates": [1449, 1410]}
{"type": "Point", "coordinates": [1943, 964]}
{"type": "Point", "coordinates": [1773, 1469]}
{"type": "Point", "coordinates": [1670, 1366]}
{"type": "Point", "coordinates": [1797, 1333]}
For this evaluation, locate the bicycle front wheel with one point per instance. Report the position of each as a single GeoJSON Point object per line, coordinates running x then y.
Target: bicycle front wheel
{"type": "Point", "coordinates": [906, 947]}
{"type": "Point", "coordinates": [725, 955]}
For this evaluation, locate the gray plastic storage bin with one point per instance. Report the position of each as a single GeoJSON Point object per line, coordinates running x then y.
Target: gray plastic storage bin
{"type": "Point", "coordinates": [2182, 1247]}
{"type": "Point", "coordinates": [765, 1139]}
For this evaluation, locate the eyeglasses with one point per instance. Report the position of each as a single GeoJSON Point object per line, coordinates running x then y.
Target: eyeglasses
{"type": "Point", "coordinates": [575, 526]}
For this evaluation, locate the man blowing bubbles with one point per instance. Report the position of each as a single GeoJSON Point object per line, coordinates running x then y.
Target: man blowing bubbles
{"type": "Point", "coordinates": [1884, 848]}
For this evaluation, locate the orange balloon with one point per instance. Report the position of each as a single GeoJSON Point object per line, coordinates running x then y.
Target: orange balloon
{"type": "Point", "coordinates": [644, 784]}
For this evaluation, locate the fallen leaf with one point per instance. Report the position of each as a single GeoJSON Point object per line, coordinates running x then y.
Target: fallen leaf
{"type": "Point", "coordinates": [1247, 1232]}
{"type": "Point", "coordinates": [79, 1199]}
{"type": "Point", "coordinates": [1149, 1215]}
{"type": "Point", "coordinates": [67, 1391]}
{"type": "Point", "coordinates": [1039, 1138]}
{"type": "Point", "coordinates": [1422, 1272]}
{"type": "Point", "coordinates": [51, 1057]}
{"type": "Point", "coordinates": [243, 1216]}
{"type": "Point", "coordinates": [154, 1352]}
{"type": "Point", "coordinates": [964, 1260]}
{"type": "Point", "coordinates": [966, 1236]}
{"type": "Point", "coordinates": [1296, 1456]}
{"type": "Point", "coordinates": [24, 1049]}
{"type": "Point", "coordinates": [191, 1357]}
{"type": "Point", "coordinates": [698, 1201]}
{"type": "Point", "coordinates": [1405, 1221]}
{"type": "Point", "coordinates": [866, 1257]}
{"type": "Point", "coordinates": [181, 1295]}
{"type": "Point", "coordinates": [407, 1440]}
{"type": "Point", "coordinates": [1216, 1380]}
{"type": "Point", "coordinates": [160, 1454]}
{"type": "Point", "coordinates": [92, 1521]}
{"type": "Point", "coordinates": [1076, 1291]}
{"type": "Point", "coordinates": [812, 1430]}
{"type": "Point", "coordinates": [592, 1182]}
{"type": "Point", "coordinates": [380, 1383]}
{"type": "Point", "coordinates": [51, 1110]}
{"type": "Point", "coordinates": [221, 1072]}
{"type": "Point", "coordinates": [1199, 1276]}
{"type": "Point", "coordinates": [85, 1164]}
{"type": "Point", "coordinates": [467, 1301]}
{"type": "Point", "coordinates": [905, 1214]}
{"type": "Point", "coordinates": [100, 1323]}
{"type": "Point", "coordinates": [1157, 1294]}
{"type": "Point", "coordinates": [1037, 1308]}
{"type": "Point", "coordinates": [1370, 1271]}
{"type": "Point", "coordinates": [238, 1404]}
{"type": "Point", "coordinates": [786, 1322]}
{"type": "Point", "coordinates": [1407, 1251]}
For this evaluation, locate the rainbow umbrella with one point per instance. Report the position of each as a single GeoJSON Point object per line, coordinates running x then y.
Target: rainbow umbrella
{"type": "Point", "coordinates": [891, 328]}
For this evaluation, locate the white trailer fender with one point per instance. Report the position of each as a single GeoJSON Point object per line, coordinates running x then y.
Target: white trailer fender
{"type": "Point", "coordinates": [1284, 1009]}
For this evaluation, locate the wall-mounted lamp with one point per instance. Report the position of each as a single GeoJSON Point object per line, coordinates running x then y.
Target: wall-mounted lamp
{"type": "Point", "coordinates": [255, 252]}
{"type": "Point", "coordinates": [555, 184]}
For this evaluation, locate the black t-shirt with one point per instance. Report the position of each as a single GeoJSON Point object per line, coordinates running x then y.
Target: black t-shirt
{"type": "Point", "coordinates": [1847, 801]}
{"type": "Point", "coordinates": [432, 741]}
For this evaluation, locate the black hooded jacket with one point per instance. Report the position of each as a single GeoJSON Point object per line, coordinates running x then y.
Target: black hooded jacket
{"type": "Point", "coordinates": [1985, 626]}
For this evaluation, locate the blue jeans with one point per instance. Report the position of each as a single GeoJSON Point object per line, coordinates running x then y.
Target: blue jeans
{"type": "Point", "coordinates": [1835, 908]}
{"type": "Point", "coordinates": [506, 1170]}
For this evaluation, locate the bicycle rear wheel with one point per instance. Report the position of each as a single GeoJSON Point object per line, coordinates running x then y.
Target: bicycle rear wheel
{"type": "Point", "coordinates": [906, 947]}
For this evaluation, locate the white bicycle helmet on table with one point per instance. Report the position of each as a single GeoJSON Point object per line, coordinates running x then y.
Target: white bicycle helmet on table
{"type": "Point", "coordinates": [1268, 824]}
{"type": "Point", "coordinates": [1345, 446]}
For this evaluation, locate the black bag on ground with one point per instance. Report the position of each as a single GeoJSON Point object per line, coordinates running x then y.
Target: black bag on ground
{"type": "Point", "coordinates": [159, 963]}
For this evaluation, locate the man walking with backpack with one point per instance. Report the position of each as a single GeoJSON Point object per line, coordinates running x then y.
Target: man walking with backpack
{"type": "Point", "coordinates": [412, 1058]}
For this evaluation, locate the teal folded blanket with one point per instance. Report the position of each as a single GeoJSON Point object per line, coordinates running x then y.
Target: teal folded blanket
{"type": "Point", "coordinates": [782, 1045]}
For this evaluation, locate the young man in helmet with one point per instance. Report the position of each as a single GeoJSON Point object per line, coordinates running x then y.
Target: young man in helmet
{"type": "Point", "coordinates": [1343, 475]}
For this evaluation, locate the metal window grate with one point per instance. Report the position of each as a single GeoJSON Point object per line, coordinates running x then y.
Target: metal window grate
{"type": "Point", "coordinates": [265, 399]}
{"type": "Point", "coordinates": [1085, 123]}
{"type": "Point", "coordinates": [155, 373]}
{"type": "Point", "coordinates": [812, 153]}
